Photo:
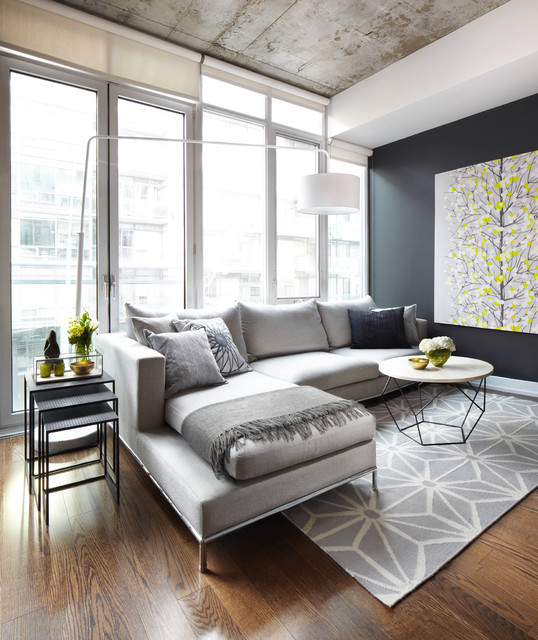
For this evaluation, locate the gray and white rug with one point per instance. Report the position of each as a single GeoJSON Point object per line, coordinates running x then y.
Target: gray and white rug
{"type": "Point", "coordinates": [432, 501]}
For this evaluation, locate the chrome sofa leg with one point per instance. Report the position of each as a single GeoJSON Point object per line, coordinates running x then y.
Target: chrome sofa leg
{"type": "Point", "coordinates": [202, 557]}
{"type": "Point", "coordinates": [374, 480]}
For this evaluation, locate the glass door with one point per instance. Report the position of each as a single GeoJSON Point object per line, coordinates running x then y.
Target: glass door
{"type": "Point", "coordinates": [50, 125]}
{"type": "Point", "coordinates": [147, 216]}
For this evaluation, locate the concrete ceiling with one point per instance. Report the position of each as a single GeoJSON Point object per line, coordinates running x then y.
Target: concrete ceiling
{"type": "Point", "coordinates": [324, 46]}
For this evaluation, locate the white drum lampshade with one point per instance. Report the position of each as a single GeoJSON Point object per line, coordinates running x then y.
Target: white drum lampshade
{"type": "Point", "coordinates": [329, 194]}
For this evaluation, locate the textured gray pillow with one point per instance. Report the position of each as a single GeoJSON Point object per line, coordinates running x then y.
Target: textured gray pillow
{"type": "Point", "coordinates": [189, 360]}
{"type": "Point", "coordinates": [335, 318]}
{"type": "Point", "coordinates": [410, 322]}
{"type": "Point", "coordinates": [226, 354]}
{"type": "Point", "coordinates": [162, 324]}
{"type": "Point", "coordinates": [282, 329]}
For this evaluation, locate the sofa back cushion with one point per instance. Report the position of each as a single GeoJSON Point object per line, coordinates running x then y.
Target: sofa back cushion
{"type": "Point", "coordinates": [229, 314]}
{"type": "Point", "coordinates": [276, 330]}
{"type": "Point", "coordinates": [335, 319]}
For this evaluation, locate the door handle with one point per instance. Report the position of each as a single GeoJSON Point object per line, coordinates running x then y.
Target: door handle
{"type": "Point", "coordinates": [109, 286]}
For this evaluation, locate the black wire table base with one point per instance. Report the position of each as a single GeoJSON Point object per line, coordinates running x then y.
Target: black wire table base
{"type": "Point", "coordinates": [471, 392]}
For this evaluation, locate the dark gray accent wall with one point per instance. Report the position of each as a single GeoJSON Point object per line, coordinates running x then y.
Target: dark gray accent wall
{"type": "Point", "coordinates": [402, 222]}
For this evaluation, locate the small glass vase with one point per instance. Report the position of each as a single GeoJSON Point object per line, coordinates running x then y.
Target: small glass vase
{"type": "Point", "coordinates": [438, 357]}
{"type": "Point", "coordinates": [83, 350]}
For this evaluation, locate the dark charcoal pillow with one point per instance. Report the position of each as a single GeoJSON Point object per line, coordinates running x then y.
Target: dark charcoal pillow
{"type": "Point", "coordinates": [410, 322]}
{"type": "Point", "coordinates": [378, 329]}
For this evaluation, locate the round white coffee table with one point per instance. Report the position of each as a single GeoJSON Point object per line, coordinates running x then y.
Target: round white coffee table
{"type": "Point", "coordinates": [458, 372]}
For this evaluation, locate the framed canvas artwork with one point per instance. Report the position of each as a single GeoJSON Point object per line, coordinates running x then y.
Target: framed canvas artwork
{"type": "Point", "coordinates": [486, 245]}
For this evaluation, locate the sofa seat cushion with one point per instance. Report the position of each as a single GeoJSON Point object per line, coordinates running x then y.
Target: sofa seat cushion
{"type": "Point", "coordinates": [318, 369]}
{"type": "Point", "coordinates": [275, 330]}
{"type": "Point", "coordinates": [375, 355]}
{"type": "Point", "coordinates": [254, 459]}
{"type": "Point", "coordinates": [244, 384]}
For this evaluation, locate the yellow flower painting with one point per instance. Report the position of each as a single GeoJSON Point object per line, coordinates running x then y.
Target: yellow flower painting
{"type": "Point", "coordinates": [486, 245]}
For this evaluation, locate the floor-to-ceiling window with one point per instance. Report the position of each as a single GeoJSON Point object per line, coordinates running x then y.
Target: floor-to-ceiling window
{"type": "Point", "coordinates": [234, 255]}
{"type": "Point", "coordinates": [50, 124]}
{"type": "Point", "coordinates": [297, 250]}
{"type": "Point", "coordinates": [347, 249]}
{"type": "Point", "coordinates": [151, 208]}
{"type": "Point", "coordinates": [256, 246]}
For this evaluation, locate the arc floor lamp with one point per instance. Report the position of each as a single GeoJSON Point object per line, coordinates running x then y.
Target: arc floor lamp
{"type": "Point", "coordinates": [318, 193]}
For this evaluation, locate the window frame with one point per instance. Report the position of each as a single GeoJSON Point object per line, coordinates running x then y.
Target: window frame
{"type": "Point", "coordinates": [272, 132]}
{"type": "Point", "coordinates": [121, 92]}
{"type": "Point", "coordinates": [10, 420]}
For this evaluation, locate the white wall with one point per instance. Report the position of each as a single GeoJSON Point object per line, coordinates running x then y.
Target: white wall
{"type": "Point", "coordinates": [491, 61]}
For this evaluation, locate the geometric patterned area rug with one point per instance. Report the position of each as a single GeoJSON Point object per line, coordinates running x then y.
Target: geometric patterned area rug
{"type": "Point", "coordinates": [432, 501]}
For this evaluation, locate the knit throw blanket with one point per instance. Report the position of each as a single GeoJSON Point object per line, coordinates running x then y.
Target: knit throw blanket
{"type": "Point", "coordinates": [282, 414]}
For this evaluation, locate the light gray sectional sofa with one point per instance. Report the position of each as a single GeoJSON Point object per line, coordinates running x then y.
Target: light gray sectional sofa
{"type": "Point", "coordinates": [273, 349]}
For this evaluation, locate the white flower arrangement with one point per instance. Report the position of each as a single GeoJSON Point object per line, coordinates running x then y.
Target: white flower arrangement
{"type": "Point", "coordinates": [441, 342]}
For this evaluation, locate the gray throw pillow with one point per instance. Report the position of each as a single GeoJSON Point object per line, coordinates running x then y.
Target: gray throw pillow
{"type": "Point", "coordinates": [226, 354]}
{"type": "Point", "coordinates": [162, 324]}
{"type": "Point", "coordinates": [135, 311]}
{"type": "Point", "coordinates": [189, 360]}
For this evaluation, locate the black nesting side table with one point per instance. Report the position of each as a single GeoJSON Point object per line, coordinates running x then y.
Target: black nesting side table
{"type": "Point", "coordinates": [62, 406]}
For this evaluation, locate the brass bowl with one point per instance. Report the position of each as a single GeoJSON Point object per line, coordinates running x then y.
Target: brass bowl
{"type": "Point", "coordinates": [418, 363]}
{"type": "Point", "coordinates": [81, 368]}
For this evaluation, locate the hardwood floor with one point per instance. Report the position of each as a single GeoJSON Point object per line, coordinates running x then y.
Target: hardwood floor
{"type": "Point", "coordinates": [130, 572]}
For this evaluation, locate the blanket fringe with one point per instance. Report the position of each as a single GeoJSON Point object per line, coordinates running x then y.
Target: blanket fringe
{"type": "Point", "coordinates": [285, 427]}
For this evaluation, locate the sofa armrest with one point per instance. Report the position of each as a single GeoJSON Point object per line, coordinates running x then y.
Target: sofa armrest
{"type": "Point", "coordinates": [422, 328]}
{"type": "Point", "coordinates": [139, 373]}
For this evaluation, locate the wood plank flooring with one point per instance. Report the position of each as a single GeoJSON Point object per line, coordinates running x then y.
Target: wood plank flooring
{"type": "Point", "coordinates": [130, 572]}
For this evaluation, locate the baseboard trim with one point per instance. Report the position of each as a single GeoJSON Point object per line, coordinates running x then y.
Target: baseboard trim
{"type": "Point", "coordinates": [511, 385]}
{"type": "Point", "coordinates": [9, 432]}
